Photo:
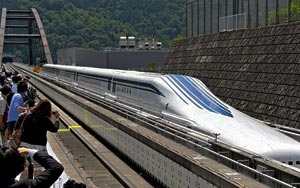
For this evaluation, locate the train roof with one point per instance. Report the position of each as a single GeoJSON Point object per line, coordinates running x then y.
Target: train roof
{"type": "Point", "coordinates": [102, 71]}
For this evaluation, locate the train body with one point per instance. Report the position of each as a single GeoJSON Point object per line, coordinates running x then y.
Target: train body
{"type": "Point", "coordinates": [184, 100]}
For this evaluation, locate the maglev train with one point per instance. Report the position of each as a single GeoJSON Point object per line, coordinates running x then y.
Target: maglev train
{"type": "Point", "coordinates": [184, 100]}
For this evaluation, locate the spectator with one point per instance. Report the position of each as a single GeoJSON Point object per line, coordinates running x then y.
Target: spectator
{"type": "Point", "coordinates": [38, 122]}
{"type": "Point", "coordinates": [15, 81]}
{"type": "Point", "coordinates": [2, 111]}
{"type": "Point", "coordinates": [7, 95]}
{"type": "Point", "coordinates": [31, 94]}
{"type": "Point", "coordinates": [27, 79]}
{"type": "Point", "coordinates": [19, 76]}
{"type": "Point", "coordinates": [12, 163]}
{"type": "Point", "coordinates": [8, 78]}
{"type": "Point", "coordinates": [16, 106]}
{"type": "Point", "coordinates": [2, 78]}
{"type": "Point", "coordinates": [35, 127]}
{"type": "Point", "coordinates": [73, 184]}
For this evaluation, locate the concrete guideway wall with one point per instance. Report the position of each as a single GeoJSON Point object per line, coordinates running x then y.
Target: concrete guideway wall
{"type": "Point", "coordinates": [256, 71]}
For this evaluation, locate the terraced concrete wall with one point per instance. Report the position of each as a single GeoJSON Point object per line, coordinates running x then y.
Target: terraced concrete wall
{"type": "Point", "coordinates": [256, 71]}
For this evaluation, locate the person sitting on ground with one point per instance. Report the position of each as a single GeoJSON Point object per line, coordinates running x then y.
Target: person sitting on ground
{"type": "Point", "coordinates": [12, 163]}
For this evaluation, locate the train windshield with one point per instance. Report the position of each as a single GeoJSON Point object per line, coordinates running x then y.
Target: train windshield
{"type": "Point", "coordinates": [198, 94]}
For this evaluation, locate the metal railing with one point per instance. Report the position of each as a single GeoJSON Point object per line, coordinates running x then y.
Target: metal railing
{"type": "Point", "coordinates": [233, 22]}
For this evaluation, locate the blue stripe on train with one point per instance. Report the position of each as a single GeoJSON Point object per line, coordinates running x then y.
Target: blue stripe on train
{"type": "Point", "coordinates": [174, 90]}
{"type": "Point", "coordinates": [197, 96]}
{"type": "Point", "coordinates": [208, 95]}
{"type": "Point", "coordinates": [179, 88]}
{"type": "Point", "coordinates": [199, 84]}
{"type": "Point", "coordinates": [185, 89]}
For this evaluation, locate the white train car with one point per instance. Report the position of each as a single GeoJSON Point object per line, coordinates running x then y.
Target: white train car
{"type": "Point", "coordinates": [184, 100]}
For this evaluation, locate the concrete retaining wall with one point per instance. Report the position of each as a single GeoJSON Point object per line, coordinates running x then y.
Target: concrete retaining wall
{"type": "Point", "coordinates": [256, 71]}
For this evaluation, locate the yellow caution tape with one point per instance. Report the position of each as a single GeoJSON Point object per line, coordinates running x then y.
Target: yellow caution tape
{"type": "Point", "coordinates": [74, 127]}
{"type": "Point", "coordinates": [69, 128]}
{"type": "Point", "coordinates": [63, 130]}
{"type": "Point", "coordinates": [92, 126]}
{"type": "Point", "coordinates": [112, 129]}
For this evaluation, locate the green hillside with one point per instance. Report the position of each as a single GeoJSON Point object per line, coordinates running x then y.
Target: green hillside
{"type": "Point", "coordinates": [99, 23]}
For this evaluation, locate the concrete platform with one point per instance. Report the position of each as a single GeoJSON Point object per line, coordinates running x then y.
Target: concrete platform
{"type": "Point", "coordinates": [57, 150]}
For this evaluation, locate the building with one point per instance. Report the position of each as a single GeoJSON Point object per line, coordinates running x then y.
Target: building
{"type": "Point", "coordinates": [212, 16]}
{"type": "Point", "coordinates": [145, 60]}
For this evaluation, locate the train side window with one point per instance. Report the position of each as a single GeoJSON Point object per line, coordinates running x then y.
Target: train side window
{"type": "Point", "coordinates": [297, 162]}
{"type": "Point", "coordinates": [282, 161]}
{"type": "Point", "coordinates": [290, 162]}
{"type": "Point", "coordinates": [114, 88]}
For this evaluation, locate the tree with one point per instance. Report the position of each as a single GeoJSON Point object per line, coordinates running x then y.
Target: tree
{"type": "Point", "coordinates": [96, 24]}
{"type": "Point", "coordinates": [283, 16]}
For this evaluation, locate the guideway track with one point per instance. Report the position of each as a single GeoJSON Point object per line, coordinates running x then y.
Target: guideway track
{"type": "Point", "coordinates": [80, 162]}
{"type": "Point", "coordinates": [71, 168]}
{"type": "Point", "coordinates": [110, 161]}
{"type": "Point", "coordinates": [96, 164]}
{"type": "Point", "coordinates": [96, 111]}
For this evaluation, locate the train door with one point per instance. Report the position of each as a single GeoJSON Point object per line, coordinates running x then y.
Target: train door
{"type": "Point", "coordinates": [56, 73]}
{"type": "Point", "coordinates": [114, 87]}
{"type": "Point", "coordinates": [75, 78]}
{"type": "Point", "coordinates": [109, 84]}
{"type": "Point", "coordinates": [113, 84]}
{"type": "Point", "coordinates": [59, 74]}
